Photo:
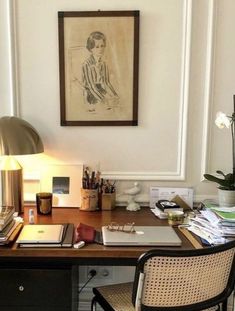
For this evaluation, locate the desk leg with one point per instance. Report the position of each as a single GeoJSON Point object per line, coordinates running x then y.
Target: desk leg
{"type": "Point", "coordinates": [75, 282]}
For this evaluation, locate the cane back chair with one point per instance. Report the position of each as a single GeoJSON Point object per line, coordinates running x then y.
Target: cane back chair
{"type": "Point", "coordinates": [170, 280]}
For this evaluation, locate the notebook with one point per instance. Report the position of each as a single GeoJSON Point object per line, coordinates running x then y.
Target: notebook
{"type": "Point", "coordinates": [41, 234]}
{"type": "Point", "coordinates": [143, 236]}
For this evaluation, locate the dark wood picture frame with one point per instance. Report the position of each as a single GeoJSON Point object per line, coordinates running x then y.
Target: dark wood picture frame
{"type": "Point", "coordinates": [98, 56]}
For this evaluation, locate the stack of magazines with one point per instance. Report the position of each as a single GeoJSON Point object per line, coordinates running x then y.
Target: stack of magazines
{"type": "Point", "coordinates": [9, 227]}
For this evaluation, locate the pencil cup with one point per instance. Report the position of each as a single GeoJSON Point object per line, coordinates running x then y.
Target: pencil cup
{"type": "Point", "coordinates": [108, 201]}
{"type": "Point", "coordinates": [89, 200]}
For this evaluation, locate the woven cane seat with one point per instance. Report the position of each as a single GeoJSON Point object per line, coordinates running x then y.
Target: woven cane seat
{"type": "Point", "coordinates": [119, 296]}
{"type": "Point", "coordinates": [180, 280]}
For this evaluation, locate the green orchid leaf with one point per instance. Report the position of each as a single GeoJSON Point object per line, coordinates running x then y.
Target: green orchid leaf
{"type": "Point", "coordinates": [220, 173]}
{"type": "Point", "coordinates": [214, 179]}
{"type": "Point", "coordinates": [227, 183]}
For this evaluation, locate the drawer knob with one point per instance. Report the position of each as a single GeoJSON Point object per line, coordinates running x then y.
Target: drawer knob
{"type": "Point", "coordinates": [21, 288]}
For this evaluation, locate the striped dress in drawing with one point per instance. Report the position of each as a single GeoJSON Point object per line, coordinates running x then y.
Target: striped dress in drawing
{"type": "Point", "coordinates": [95, 78]}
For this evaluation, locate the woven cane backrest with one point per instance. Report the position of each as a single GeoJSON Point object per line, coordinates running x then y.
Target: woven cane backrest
{"type": "Point", "coordinates": [176, 281]}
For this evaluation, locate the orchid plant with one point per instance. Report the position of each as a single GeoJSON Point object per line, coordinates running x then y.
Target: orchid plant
{"type": "Point", "coordinates": [228, 180]}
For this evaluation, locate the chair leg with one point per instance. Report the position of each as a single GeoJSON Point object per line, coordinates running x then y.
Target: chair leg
{"type": "Point", "coordinates": [93, 304]}
{"type": "Point", "coordinates": [224, 305]}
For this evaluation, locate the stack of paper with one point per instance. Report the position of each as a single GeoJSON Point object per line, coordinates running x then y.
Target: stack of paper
{"type": "Point", "coordinates": [164, 193]}
{"type": "Point", "coordinates": [215, 225]}
{"type": "Point", "coordinates": [227, 215]}
{"type": "Point", "coordinates": [160, 214]}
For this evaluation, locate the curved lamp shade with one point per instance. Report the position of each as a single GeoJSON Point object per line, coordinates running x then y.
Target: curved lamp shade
{"type": "Point", "coordinates": [18, 137]}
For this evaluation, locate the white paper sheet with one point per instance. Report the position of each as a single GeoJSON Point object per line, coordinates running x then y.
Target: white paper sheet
{"type": "Point", "coordinates": [163, 193]}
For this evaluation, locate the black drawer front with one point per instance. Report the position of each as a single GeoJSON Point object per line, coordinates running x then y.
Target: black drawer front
{"type": "Point", "coordinates": [36, 287]}
{"type": "Point", "coordinates": [35, 308]}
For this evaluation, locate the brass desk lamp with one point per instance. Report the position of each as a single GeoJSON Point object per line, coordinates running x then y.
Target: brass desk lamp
{"type": "Point", "coordinates": [17, 137]}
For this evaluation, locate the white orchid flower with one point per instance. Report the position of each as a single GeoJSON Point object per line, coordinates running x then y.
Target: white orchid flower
{"type": "Point", "coordinates": [222, 120]}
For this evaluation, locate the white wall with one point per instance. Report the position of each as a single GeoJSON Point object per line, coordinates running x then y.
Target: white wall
{"type": "Point", "coordinates": [185, 75]}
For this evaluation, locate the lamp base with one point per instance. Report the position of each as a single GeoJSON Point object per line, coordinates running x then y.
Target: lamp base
{"type": "Point", "coordinates": [11, 179]}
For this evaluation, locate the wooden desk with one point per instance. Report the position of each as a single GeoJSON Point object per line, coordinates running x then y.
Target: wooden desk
{"type": "Point", "coordinates": [38, 279]}
{"type": "Point", "coordinates": [90, 253]}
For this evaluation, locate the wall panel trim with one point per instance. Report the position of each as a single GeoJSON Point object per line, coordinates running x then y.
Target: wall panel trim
{"type": "Point", "coordinates": [179, 173]}
{"type": "Point", "coordinates": [13, 59]}
{"type": "Point", "coordinates": [209, 85]}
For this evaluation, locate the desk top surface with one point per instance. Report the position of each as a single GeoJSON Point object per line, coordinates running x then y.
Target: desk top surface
{"type": "Point", "coordinates": [90, 253]}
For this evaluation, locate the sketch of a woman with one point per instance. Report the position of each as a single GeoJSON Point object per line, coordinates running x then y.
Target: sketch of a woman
{"type": "Point", "coordinates": [95, 73]}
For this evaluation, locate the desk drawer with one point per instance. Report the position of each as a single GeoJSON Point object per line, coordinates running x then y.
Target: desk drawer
{"type": "Point", "coordinates": [40, 308]}
{"type": "Point", "coordinates": [36, 287]}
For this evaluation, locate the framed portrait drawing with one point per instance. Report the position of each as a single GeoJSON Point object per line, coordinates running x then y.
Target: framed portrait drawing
{"type": "Point", "coordinates": [98, 54]}
{"type": "Point", "coordinates": [64, 182]}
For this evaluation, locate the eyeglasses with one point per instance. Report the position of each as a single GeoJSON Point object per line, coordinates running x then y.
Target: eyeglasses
{"type": "Point", "coordinates": [128, 227]}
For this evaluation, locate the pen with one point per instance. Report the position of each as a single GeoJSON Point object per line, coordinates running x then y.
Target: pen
{"type": "Point", "coordinates": [92, 181]}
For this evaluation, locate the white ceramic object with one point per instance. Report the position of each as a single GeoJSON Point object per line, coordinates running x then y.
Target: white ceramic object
{"type": "Point", "coordinates": [132, 192]}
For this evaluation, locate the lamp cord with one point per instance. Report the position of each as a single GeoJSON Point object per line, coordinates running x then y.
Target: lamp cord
{"type": "Point", "coordinates": [92, 274]}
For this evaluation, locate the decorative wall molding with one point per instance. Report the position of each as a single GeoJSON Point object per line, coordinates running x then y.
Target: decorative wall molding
{"type": "Point", "coordinates": [144, 175]}
{"type": "Point", "coordinates": [209, 86]}
{"type": "Point", "coordinates": [179, 174]}
{"type": "Point", "coordinates": [12, 57]}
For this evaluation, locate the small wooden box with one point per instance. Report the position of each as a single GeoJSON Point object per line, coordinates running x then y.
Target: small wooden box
{"type": "Point", "coordinates": [108, 201]}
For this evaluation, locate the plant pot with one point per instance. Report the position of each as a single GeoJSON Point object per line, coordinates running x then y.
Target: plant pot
{"type": "Point", "coordinates": [226, 197]}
